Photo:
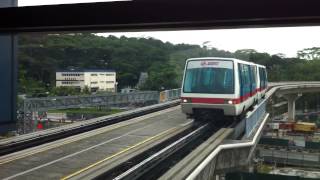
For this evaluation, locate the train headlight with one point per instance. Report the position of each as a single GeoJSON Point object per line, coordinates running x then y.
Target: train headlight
{"type": "Point", "coordinates": [185, 100]}
{"type": "Point", "coordinates": [230, 102]}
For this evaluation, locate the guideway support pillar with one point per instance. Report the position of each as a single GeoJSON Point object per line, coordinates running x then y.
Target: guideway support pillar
{"type": "Point", "coordinates": [291, 98]}
{"type": "Point", "coordinates": [8, 73]}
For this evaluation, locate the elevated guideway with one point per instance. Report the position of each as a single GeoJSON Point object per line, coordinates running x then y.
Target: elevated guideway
{"type": "Point", "coordinates": [231, 152]}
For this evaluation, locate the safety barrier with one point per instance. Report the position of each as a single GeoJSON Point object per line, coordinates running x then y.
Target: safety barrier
{"type": "Point", "coordinates": [253, 118]}
{"type": "Point", "coordinates": [32, 105]}
{"type": "Point", "coordinates": [169, 95]}
{"type": "Point", "coordinates": [62, 102]}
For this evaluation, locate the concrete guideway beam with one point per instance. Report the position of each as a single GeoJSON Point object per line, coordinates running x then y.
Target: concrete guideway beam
{"type": "Point", "coordinates": [292, 91]}
{"type": "Point", "coordinates": [228, 156]}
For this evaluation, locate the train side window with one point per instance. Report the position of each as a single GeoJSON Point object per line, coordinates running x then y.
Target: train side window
{"type": "Point", "coordinates": [244, 75]}
{"type": "Point", "coordinates": [241, 79]}
{"type": "Point", "coordinates": [252, 79]}
{"type": "Point", "coordinates": [265, 78]}
{"type": "Point", "coordinates": [247, 79]}
{"type": "Point", "coordinates": [254, 70]}
{"type": "Point", "coordinates": [261, 78]}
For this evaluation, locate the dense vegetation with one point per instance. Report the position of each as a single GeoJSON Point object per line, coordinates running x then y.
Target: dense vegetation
{"type": "Point", "coordinates": [41, 55]}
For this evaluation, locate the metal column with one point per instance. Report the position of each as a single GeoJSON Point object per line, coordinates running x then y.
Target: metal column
{"type": "Point", "coordinates": [8, 73]}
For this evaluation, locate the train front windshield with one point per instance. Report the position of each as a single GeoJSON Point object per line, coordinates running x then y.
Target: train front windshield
{"type": "Point", "coordinates": [209, 77]}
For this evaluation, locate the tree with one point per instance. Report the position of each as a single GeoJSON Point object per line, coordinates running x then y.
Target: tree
{"type": "Point", "coordinates": [86, 90]}
{"type": "Point", "coordinates": [309, 53]}
{"type": "Point", "coordinates": [64, 91]}
{"type": "Point", "coordinates": [161, 76]}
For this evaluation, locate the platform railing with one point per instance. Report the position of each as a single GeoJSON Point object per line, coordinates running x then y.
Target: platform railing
{"type": "Point", "coordinates": [169, 95]}
{"type": "Point", "coordinates": [138, 98]}
{"type": "Point", "coordinates": [253, 118]}
{"type": "Point", "coordinates": [32, 106]}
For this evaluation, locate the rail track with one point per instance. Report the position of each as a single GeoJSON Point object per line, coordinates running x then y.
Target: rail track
{"type": "Point", "coordinates": [154, 161]}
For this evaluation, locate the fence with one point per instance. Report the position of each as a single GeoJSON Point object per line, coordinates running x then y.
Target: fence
{"type": "Point", "coordinates": [63, 102]}
{"type": "Point", "coordinates": [254, 176]}
{"type": "Point", "coordinates": [169, 95]}
{"type": "Point", "coordinates": [33, 105]}
{"type": "Point", "coordinates": [290, 157]}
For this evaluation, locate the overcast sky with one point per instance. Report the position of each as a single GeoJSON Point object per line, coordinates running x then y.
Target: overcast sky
{"type": "Point", "coordinates": [271, 40]}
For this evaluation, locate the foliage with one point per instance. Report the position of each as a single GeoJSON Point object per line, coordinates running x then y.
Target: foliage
{"type": "Point", "coordinates": [161, 77]}
{"type": "Point", "coordinates": [41, 55]}
{"type": "Point", "coordinates": [64, 91]}
{"type": "Point", "coordinates": [309, 53]}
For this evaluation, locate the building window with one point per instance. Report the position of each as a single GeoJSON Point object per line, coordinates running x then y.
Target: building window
{"type": "Point", "coordinates": [94, 82]}
{"type": "Point", "coordinates": [102, 74]}
{"type": "Point", "coordinates": [108, 82]}
{"type": "Point", "coordinates": [94, 74]}
{"type": "Point", "coordinates": [110, 74]}
{"type": "Point", "coordinates": [101, 81]}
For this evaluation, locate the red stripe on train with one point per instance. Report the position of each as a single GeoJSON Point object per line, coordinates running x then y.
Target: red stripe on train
{"type": "Point", "coordinates": [222, 100]}
{"type": "Point", "coordinates": [216, 100]}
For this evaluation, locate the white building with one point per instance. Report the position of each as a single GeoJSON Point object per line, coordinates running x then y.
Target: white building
{"type": "Point", "coordinates": [95, 80]}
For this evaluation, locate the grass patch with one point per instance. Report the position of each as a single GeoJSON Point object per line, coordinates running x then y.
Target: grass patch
{"type": "Point", "coordinates": [263, 168]}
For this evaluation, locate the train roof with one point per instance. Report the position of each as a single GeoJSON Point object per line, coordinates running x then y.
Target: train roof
{"type": "Point", "coordinates": [223, 58]}
{"type": "Point", "coordinates": [259, 65]}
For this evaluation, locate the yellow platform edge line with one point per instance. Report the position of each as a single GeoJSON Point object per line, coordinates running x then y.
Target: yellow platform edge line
{"type": "Point", "coordinates": [116, 154]}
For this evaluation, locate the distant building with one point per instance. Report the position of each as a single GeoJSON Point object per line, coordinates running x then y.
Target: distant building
{"type": "Point", "coordinates": [95, 80]}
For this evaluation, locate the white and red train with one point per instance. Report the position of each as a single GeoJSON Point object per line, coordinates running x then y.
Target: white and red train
{"type": "Point", "coordinates": [225, 86]}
